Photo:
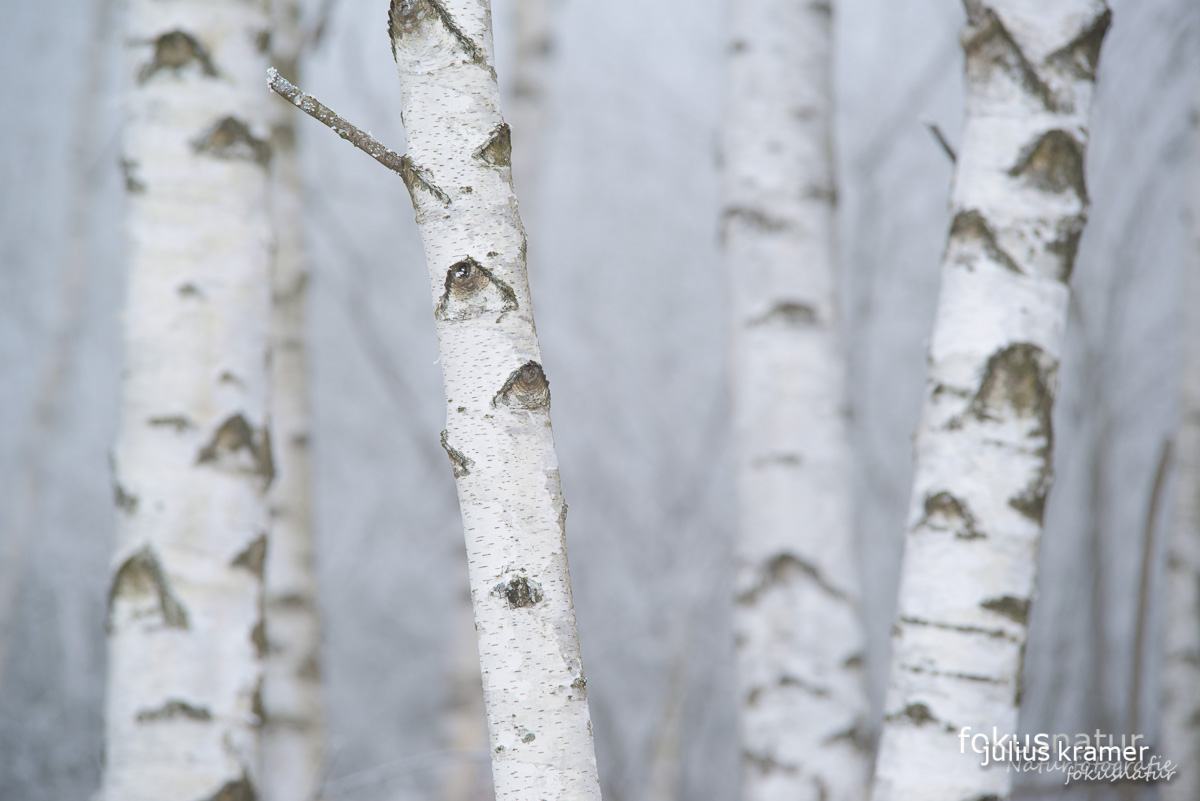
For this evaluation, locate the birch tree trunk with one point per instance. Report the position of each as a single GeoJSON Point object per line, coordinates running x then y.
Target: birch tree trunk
{"type": "Point", "coordinates": [1181, 680]}
{"type": "Point", "coordinates": [294, 722]}
{"type": "Point", "coordinates": [984, 441]}
{"type": "Point", "coordinates": [799, 636]}
{"type": "Point", "coordinates": [193, 459]}
{"type": "Point", "coordinates": [498, 434]}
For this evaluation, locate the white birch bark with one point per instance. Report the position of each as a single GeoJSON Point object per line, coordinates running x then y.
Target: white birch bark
{"type": "Point", "coordinates": [193, 459]}
{"type": "Point", "coordinates": [1181, 668]}
{"type": "Point", "coordinates": [799, 636]}
{"type": "Point", "coordinates": [984, 441]}
{"type": "Point", "coordinates": [294, 723]}
{"type": "Point", "coordinates": [498, 434]}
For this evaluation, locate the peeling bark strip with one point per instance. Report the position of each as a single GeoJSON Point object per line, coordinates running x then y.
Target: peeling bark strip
{"type": "Point", "coordinates": [985, 439]}
{"type": "Point", "coordinates": [508, 487]}
{"type": "Point", "coordinates": [798, 635]}
{"type": "Point", "coordinates": [186, 593]}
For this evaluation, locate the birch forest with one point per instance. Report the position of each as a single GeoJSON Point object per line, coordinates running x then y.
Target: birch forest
{"type": "Point", "coordinates": [854, 454]}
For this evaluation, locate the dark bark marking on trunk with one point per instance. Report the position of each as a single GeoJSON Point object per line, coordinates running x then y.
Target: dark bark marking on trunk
{"type": "Point", "coordinates": [520, 592]}
{"type": "Point", "coordinates": [309, 669]}
{"type": "Point", "coordinates": [459, 463]}
{"type": "Point", "coordinates": [791, 313]}
{"type": "Point", "coordinates": [580, 689]}
{"type": "Point", "coordinates": [920, 715]}
{"type": "Point", "coordinates": [780, 569]}
{"type": "Point", "coordinates": [999, 634]}
{"type": "Point", "coordinates": [971, 225]}
{"type": "Point", "coordinates": [811, 689]}
{"type": "Point", "coordinates": [405, 16]}
{"type": "Point", "coordinates": [1031, 501]}
{"type": "Point", "coordinates": [240, 790]}
{"type": "Point", "coordinates": [189, 290]}
{"type": "Point", "coordinates": [414, 177]}
{"type": "Point", "coordinates": [858, 736]}
{"type": "Point", "coordinates": [142, 574]}
{"type": "Point", "coordinates": [231, 139]}
{"type": "Point", "coordinates": [176, 421]}
{"type": "Point", "coordinates": [1070, 229]}
{"type": "Point", "coordinates": [254, 557]}
{"type": "Point", "coordinates": [231, 438]}
{"type": "Point", "coordinates": [472, 290]}
{"type": "Point", "coordinates": [987, 42]}
{"type": "Point", "coordinates": [133, 185]}
{"type": "Point", "coordinates": [766, 764]}
{"type": "Point", "coordinates": [945, 512]}
{"type": "Point", "coordinates": [1014, 380]}
{"type": "Point", "coordinates": [173, 51]}
{"type": "Point", "coordinates": [1011, 607]}
{"type": "Point", "coordinates": [256, 702]}
{"type": "Point", "coordinates": [125, 502]}
{"type": "Point", "coordinates": [527, 388]}
{"type": "Point", "coordinates": [174, 709]}
{"type": "Point", "coordinates": [1082, 54]}
{"type": "Point", "coordinates": [497, 151]}
{"type": "Point", "coordinates": [1053, 163]}
{"type": "Point", "coordinates": [756, 218]}
{"type": "Point", "coordinates": [258, 638]}
{"type": "Point", "coordinates": [292, 602]}
{"type": "Point", "coordinates": [972, 677]}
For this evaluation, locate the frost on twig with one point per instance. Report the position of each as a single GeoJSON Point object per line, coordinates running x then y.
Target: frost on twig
{"type": "Point", "coordinates": [401, 165]}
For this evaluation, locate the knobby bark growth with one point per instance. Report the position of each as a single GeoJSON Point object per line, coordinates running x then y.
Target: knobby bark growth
{"type": "Point", "coordinates": [984, 440]}
{"type": "Point", "coordinates": [799, 636]}
{"type": "Point", "coordinates": [498, 437]}
{"type": "Point", "coordinates": [294, 722]}
{"type": "Point", "coordinates": [1181, 703]}
{"type": "Point", "coordinates": [193, 460]}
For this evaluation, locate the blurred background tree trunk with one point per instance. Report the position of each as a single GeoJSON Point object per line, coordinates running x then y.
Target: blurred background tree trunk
{"type": "Point", "coordinates": [294, 720]}
{"type": "Point", "coordinates": [800, 643]}
{"type": "Point", "coordinates": [193, 460]}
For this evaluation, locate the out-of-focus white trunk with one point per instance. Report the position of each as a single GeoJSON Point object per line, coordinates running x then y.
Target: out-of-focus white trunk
{"type": "Point", "coordinates": [498, 434]}
{"type": "Point", "coordinates": [1181, 680]}
{"type": "Point", "coordinates": [193, 459]}
{"type": "Point", "coordinates": [984, 440]}
{"type": "Point", "coordinates": [294, 724]}
{"type": "Point", "coordinates": [534, 46]}
{"type": "Point", "coordinates": [799, 637]}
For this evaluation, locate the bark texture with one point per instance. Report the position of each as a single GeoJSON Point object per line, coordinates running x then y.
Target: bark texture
{"type": "Point", "coordinates": [1181, 679]}
{"type": "Point", "coordinates": [799, 637]}
{"type": "Point", "coordinates": [294, 724]}
{"type": "Point", "coordinates": [498, 436]}
{"type": "Point", "coordinates": [984, 441]}
{"type": "Point", "coordinates": [193, 459]}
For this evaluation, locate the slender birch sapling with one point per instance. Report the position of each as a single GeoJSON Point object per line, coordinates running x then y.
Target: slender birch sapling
{"type": "Point", "coordinates": [498, 436]}
{"type": "Point", "coordinates": [800, 639]}
{"type": "Point", "coordinates": [1181, 670]}
{"type": "Point", "coordinates": [984, 442]}
{"type": "Point", "coordinates": [193, 458]}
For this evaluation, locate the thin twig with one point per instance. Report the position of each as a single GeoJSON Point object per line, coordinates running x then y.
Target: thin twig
{"type": "Point", "coordinates": [401, 165]}
{"type": "Point", "coordinates": [941, 138]}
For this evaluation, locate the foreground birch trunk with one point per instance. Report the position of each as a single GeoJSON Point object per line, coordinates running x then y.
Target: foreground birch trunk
{"type": "Point", "coordinates": [498, 434]}
{"type": "Point", "coordinates": [294, 722]}
{"type": "Point", "coordinates": [193, 459]}
{"type": "Point", "coordinates": [799, 637]}
{"type": "Point", "coordinates": [1181, 679]}
{"type": "Point", "coordinates": [984, 443]}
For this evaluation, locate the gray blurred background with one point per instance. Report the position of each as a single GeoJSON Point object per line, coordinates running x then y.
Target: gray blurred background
{"type": "Point", "coordinates": [628, 284]}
